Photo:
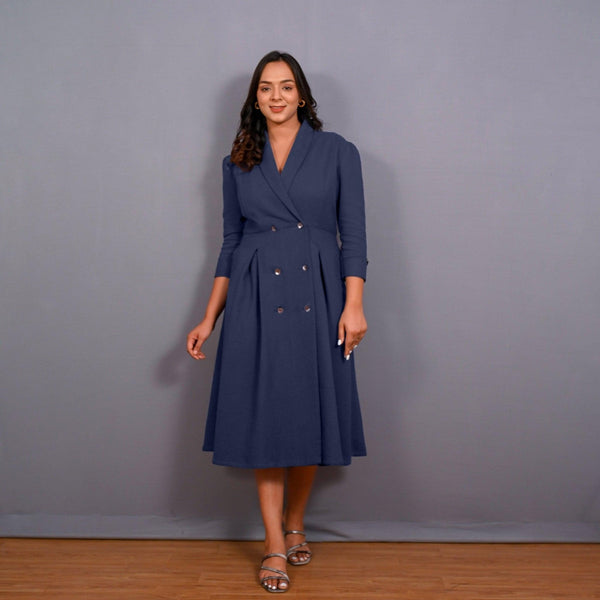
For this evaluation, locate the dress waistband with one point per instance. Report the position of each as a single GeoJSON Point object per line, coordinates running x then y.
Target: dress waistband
{"type": "Point", "coordinates": [272, 230]}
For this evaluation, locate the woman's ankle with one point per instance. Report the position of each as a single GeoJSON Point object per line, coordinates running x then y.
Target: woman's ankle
{"type": "Point", "coordinates": [293, 522]}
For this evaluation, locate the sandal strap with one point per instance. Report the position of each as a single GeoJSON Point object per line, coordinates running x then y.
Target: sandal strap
{"type": "Point", "coordinates": [295, 550]}
{"type": "Point", "coordinates": [278, 554]}
{"type": "Point", "coordinates": [281, 574]}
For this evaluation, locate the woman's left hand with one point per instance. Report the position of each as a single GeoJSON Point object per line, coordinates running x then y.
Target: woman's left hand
{"type": "Point", "coordinates": [352, 328]}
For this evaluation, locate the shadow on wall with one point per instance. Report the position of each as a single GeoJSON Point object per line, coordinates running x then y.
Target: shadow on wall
{"type": "Point", "coordinates": [197, 487]}
{"type": "Point", "coordinates": [387, 362]}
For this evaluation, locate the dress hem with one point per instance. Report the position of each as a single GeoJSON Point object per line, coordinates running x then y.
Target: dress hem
{"type": "Point", "coordinates": [279, 465]}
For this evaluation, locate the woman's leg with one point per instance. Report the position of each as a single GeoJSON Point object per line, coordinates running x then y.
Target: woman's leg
{"type": "Point", "coordinates": [299, 484]}
{"type": "Point", "coordinates": [270, 483]}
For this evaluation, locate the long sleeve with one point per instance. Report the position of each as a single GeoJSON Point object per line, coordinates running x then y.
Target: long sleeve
{"type": "Point", "coordinates": [351, 212]}
{"type": "Point", "coordinates": [233, 222]}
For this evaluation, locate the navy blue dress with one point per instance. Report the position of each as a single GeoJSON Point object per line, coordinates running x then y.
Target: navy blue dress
{"type": "Point", "coordinates": [282, 392]}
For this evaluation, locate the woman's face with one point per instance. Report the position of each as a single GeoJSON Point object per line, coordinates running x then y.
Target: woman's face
{"type": "Point", "coordinates": [277, 94]}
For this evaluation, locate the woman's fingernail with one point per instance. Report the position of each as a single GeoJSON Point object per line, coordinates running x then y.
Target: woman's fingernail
{"type": "Point", "coordinates": [339, 342]}
{"type": "Point", "coordinates": [348, 357]}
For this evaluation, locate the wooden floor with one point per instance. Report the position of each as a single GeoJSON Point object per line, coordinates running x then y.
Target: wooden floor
{"type": "Point", "coordinates": [67, 569]}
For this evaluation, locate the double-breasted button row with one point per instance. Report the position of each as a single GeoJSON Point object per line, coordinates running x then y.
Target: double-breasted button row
{"type": "Point", "coordinates": [278, 271]}
{"type": "Point", "coordinates": [299, 225]}
{"type": "Point", "coordinates": [307, 308]}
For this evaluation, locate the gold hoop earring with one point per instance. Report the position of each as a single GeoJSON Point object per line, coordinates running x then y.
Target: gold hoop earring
{"type": "Point", "coordinates": [302, 103]}
{"type": "Point", "coordinates": [256, 105]}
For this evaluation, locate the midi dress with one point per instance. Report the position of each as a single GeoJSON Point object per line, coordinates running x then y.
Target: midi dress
{"type": "Point", "coordinates": [282, 392]}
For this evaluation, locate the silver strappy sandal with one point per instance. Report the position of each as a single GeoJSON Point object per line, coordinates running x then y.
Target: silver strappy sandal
{"type": "Point", "coordinates": [296, 549]}
{"type": "Point", "coordinates": [280, 575]}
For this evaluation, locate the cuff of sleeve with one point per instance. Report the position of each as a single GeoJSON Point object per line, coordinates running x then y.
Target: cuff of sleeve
{"type": "Point", "coordinates": [223, 269]}
{"type": "Point", "coordinates": [356, 267]}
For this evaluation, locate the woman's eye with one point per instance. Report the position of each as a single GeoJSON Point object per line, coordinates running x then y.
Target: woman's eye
{"type": "Point", "coordinates": [264, 89]}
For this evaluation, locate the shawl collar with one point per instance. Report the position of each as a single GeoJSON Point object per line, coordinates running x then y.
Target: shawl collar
{"type": "Point", "coordinates": [281, 182]}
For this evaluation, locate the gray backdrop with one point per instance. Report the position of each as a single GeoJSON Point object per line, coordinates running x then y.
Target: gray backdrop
{"type": "Point", "coordinates": [478, 124]}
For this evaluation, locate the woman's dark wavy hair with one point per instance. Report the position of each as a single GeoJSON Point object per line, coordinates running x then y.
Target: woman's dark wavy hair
{"type": "Point", "coordinates": [247, 149]}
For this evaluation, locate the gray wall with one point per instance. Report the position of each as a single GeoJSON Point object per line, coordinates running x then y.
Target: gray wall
{"type": "Point", "coordinates": [478, 124]}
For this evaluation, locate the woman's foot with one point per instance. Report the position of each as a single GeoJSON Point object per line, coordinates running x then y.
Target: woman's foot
{"type": "Point", "coordinates": [297, 550]}
{"type": "Point", "coordinates": [278, 581]}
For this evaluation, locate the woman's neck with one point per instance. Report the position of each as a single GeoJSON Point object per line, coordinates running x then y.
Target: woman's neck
{"type": "Point", "coordinates": [282, 132]}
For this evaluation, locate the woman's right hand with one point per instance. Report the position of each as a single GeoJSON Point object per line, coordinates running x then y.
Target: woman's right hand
{"type": "Point", "coordinates": [196, 337]}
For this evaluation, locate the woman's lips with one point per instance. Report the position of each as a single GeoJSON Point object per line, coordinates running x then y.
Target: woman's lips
{"type": "Point", "coordinates": [276, 108]}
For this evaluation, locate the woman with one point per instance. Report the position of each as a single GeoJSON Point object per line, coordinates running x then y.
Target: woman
{"type": "Point", "coordinates": [284, 397]}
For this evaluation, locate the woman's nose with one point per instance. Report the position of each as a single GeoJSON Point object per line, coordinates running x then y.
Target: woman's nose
{"type": "Point", "coordinates": [275, 95]}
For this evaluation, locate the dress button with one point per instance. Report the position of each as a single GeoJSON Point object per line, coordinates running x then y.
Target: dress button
{"type": "Point", "coordinates": [305, 267]}
{"type": "Point", "coordinates": [273, 228]}
{"type": "Point", "coordinates": [277, 271]}
{"type": "Point", "coordinates": [307, 307]}
{"type": "Point", "coordinates": [280, 309]}
{"type": "Point", "coordinates": [300, 225]}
